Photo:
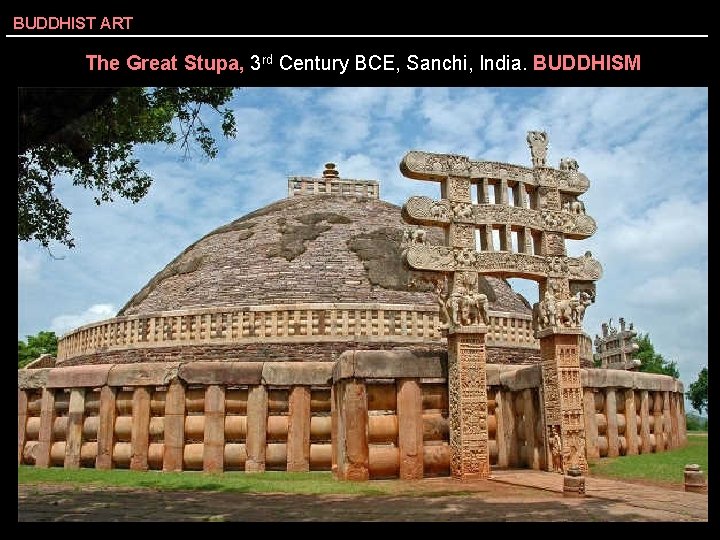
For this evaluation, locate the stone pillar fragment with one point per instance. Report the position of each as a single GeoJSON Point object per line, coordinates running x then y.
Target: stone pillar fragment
{"type": "Point", "coordinates": [298, 442]}
{"type": "Point", "coordinates": [592, 450]}
{"type": "Point", "coordinates": [174, 426]}
{"type": "Point", "coordinates": [353, 455]}
{"type": "Point", "coordinates": [410, 428]}
{"type": "Point", "coordinates": [106, 428]}
{"type": "Point", "coordinates": [667, 420]}
{"type": "Point", "coordinates": [631, 422]}
{"type": "Point", "coordinates": [22, 422]}
{"type": "Point", "coordinates": [140, 434]}
{"type": "Point", "coordinates": [47, 419]}
{"type": "Point", "coordinates": [333, 430]}
{"type": "Point", "coordinates": [645, 446]}
{"type": "Point", "coordinates": [612, 426]}
{"type": "Point", "coordinates": [257, 411]}
{"type": "Point", "coordinates": [658, 424]}
{"type": "Point", "coordinates": [533, 457]}
{"type": "Point", "coordinates": [508, 455]}
{"type": "Point", "coordinates": [73, 438]}
{"type": "Point", "coordinates": [214, 436]}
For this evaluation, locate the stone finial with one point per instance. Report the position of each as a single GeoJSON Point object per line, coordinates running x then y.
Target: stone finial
{"type": "Point", "coordinates": [330, 171]}
{"type": "Point", "coordinates": [538, 142]}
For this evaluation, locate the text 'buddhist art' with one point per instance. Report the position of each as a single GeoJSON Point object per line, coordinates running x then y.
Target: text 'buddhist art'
{"type": "Point", "coordinates": [516, 229]}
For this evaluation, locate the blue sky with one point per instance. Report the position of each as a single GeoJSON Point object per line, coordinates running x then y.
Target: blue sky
{"type": "Point", "coordinates": [645, 151]}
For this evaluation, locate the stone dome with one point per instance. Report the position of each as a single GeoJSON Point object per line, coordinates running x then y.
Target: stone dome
{"type": "Point", "coordinates": [306, 248]}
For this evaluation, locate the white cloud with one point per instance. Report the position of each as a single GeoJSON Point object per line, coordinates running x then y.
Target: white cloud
{"type": "Point", "coordinates": [29, 263]}
{"type": "Point", "coordinates": [97, 312]}
{"type": "Point", "coordinates": [670, 231]}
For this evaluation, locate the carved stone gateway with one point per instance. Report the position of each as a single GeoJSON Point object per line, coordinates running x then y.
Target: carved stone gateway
{"type": "Point", "coordinates": [517, 228]}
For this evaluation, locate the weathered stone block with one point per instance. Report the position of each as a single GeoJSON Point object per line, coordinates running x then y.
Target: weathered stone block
{"type": "Point", "coordinates": [78, 376]}
{"type": "Point", "coordinates": [222, 373]}
{"type": "Point", "coordinates": [143, 374]}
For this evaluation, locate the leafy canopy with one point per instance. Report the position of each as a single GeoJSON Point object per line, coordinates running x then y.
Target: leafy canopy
{"type": "Point", "coordinates": [698, 391]}
{"type": "Point", "coordinates": [89, 134]}
{"type": "Point", "coordinates": [652, 362]}
{"type": "Point", "coordinates": [42, 343]}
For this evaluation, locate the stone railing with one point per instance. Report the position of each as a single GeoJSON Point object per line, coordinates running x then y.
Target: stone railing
{"type": "Point", "coordinates": [293, 416]}
{"type": "Point", "coordinates": [402, 396]}
{"type": "Point", "coordinates": [298, 185]}
{"type": "Point", "coordinates": [282, 323]}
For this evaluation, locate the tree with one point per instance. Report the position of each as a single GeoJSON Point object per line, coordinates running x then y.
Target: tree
{"type": "Point", "coordinates": [89, 134]}
{"type": "Point", "coordinates": [698, 391]}
{"type": "Point", "coordinates": [42, 343]}
{"type": "Point", "coordinates": [652, 362]}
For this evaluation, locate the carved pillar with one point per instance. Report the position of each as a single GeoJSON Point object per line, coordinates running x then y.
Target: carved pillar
{"type": "Point", "coordinates": [503, 186]}
{"type": "Point", "coordinates": [73, 438]}
{"type": "Point", "coordinates": [563, 399]}
{"type": "Point", "coordinates": [106, 428]}
{"type": "Point", "coordinates": [631, 422]}
{"type": "Point", "coordinates": [410, 428]}
{"type": "Point", "coordinates": [140, 434]}
{"type": "Point", "coordinates": [592, 450]}
{"type": "Point", "coordinates": [483, 194]}
{"type": "Point", "coordinates": [353, 451]}
{"type": "Point", "coordinates": [521, 195]}
{"type": "Point", "coordinates": [467, 390]}
{"type": "Point", "coordinates": [333, 430]}
{"type": "Point", "coordinates": [532, 456]}
{"type": "Point", "coordinates": [486, 238]}
{"type": "Point", "coordinates": [674, 420]}
{"type": "Point", "coordinates": [47, 419]}
{"type": "Point", "coordinates": [612, 425]}
{"type": "Point", "coordinates": [667, 420]}
{"type": "Point", "coordinates": [645, 446]}
{"type": "Point", "coordinates": [214, 435]}
{"type": "Point", "coordinates": [658, 423]}
{"type": "Point", "coordinates": [22, 422]}
{"type": "Point", "coordinates": [298, 443]}
{"type": "Point", "coordinates": [174, 426]}
{"type": "Point", "coordinates": [257, 410]}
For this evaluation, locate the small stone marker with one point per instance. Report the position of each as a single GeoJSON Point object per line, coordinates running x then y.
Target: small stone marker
{"type": "Point", "coordinates": [694, 479]}
{"type": "Point", "coordinates": [574, 483]}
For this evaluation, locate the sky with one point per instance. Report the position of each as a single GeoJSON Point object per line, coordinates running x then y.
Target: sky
{"type": "Point", "coordinates": [645, 151]}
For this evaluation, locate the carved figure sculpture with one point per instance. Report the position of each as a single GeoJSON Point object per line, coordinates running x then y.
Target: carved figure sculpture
{"type": "Point", "coordinates": [438, 211]}
{"type": "Point", "coordinates": [568, 164]}
{"type": "Point", "coordinates": [463, 211]}
{"type": "Point", "coordinates": [481, 304]}
{"type": "Point", "coordinates": [556, 449]}
{"type": "Point", "coordinates": [538, 142]}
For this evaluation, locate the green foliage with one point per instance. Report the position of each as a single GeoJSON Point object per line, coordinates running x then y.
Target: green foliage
{"type": "Point", "coordinates": [661, 467]}
{"type": "Point", "coordinates": [698, 391]}
{"type": "Point", "coordinates": [696, 423]}
{"type": "Point", "coordinates": [314, 483]}
{"type": "Point", "coordinates": [652, 362]}
{"type": "Point", "coordinates": [90, 134]}
{"type": "Point", "coordinates": [43, 343]}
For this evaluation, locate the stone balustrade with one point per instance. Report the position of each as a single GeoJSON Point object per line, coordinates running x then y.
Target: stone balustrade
{"type": "Point", "coordinates": [256, 416]}
{"type": "Point", "coordinates": [300, 185]}
{"type": "Point", "coordinates": [282, 323]}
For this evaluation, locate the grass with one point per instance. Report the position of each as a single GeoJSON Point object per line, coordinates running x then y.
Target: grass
{"type": "Point", "coordinates": [312, 483]}
{"type": "Point", "coordinates": [664, 467]}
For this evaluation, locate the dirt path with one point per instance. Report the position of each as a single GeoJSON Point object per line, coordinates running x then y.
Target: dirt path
{"type": "Point", "coordinates": [504, 499]}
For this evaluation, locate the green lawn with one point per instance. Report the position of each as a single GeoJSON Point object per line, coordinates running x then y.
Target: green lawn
{"type": "Point", "coordinates": [241, 482]}
{"type": "Point", "coordinates": [662, 467]}
{"type": "Point", "coordinates": [665, 467]}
